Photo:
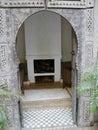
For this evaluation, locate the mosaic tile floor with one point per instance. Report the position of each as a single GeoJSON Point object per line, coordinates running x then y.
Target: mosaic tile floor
{"type": "Point", "coordinates": [48, 118]}
{"type": "Point", "coordinates": [47, 109]}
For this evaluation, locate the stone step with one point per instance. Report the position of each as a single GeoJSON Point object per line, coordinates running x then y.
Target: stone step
{"type": "Point", "coordinates": [46, 103]}
{"type": "Point", "coordinates": [28, 85]}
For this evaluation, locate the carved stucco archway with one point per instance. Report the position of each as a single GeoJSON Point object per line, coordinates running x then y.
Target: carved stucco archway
{"type": "Point", "coordinates": [10, 21]}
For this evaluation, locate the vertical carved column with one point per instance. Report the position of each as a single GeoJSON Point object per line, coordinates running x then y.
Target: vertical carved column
{"type": "Point", "coordinates": [96, 28]}
{"type": "Point", "coordinates": [8, 71]}
{"type": "Point", "coordinates": [3, 44]}
{"type": "Point", "coordinates": [86, 116]}
{"type": "Point", "coordinates": [96, 40]}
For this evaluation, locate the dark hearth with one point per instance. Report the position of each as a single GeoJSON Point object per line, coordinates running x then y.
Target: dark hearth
{"type": "Point", "coordinates": [44, 79]}
{"type": "Point", "coordinates": [44, 66]}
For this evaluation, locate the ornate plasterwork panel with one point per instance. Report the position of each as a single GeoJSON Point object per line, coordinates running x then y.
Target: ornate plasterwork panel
{"type": "Point", "coordinates": [86, 111]}
{"type": "Point", "coordinates": [8, 26]}
{"type": "Point", "coordinates": [23, 3]}
{"type": "Point", "coordinates": [48, 3]}
{"type": "Point", "coordinates": [5, 26]}
{"type": "Point", "coordinates": [2, 25]}
{"type": "Point", "coordinates": [71, 3]}
{"type": "Point", "coordinates": [11, 105]}
{"type": "Point", "coordinates": [8, 70]}
{"type": "Point", "coordinates": [89, 24]}
{"type": "Point", "coordinates": [96, 30]}
{"type": "Point", "coordinates": [89, 54]}
{"type": "Point", "coordinates": [3, 59]}
{"type": "Point", "coordinates": [89, 36]}
{"type": "Point", "coordinates": [86, 116]}
{"type": "Point", "coordinates": [13, 114]}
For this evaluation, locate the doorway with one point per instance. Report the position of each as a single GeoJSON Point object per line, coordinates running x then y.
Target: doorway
{"type": "Point", "coordinates": [46, 71]}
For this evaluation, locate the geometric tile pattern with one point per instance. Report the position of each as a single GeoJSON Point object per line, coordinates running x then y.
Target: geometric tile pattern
{"type": "Point", "coordinates": [58, 117]}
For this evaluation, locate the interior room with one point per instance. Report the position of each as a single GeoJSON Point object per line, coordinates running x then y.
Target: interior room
{"type": "Point", "coordinates": [44, 47]}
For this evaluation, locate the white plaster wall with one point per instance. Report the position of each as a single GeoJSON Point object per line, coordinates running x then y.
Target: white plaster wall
{"type": "Point", "coordinates": [43, 35]}
{"type": "Point", "coordinates": [20, 45]}
{"type": "Point", "coordinates": [66, 40]}
{"type": "Point", "coordinates": [43, 41]}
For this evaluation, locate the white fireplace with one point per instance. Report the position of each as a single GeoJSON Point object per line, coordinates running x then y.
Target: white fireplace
{"type": "Point", "coordinates": [57, 68]}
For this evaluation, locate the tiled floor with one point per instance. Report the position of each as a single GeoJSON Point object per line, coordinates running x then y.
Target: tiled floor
{"type": "Point", "coordinates": [48, 118]}
{"type": "Point", "coordinates": [46, 109]}
{"type": "Point", "coordinates": [49, 109]}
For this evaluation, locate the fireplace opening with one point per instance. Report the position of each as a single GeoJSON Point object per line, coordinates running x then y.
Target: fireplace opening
{"type": "Point", "coordinates": [44, 79]}
{"type": "Point", "coordinates": [44, 66]}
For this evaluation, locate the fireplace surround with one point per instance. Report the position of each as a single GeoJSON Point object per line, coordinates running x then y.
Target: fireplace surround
{"type": "Point", "coordinates": [44, 66]}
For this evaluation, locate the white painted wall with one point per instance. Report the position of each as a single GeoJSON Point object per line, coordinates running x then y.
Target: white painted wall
{"type": "Point", "coordinates": [66, 31]}
{"type": "Point", "coordinates": [43, 34]}
{"type": "Point", "coordinates": [43, 40]}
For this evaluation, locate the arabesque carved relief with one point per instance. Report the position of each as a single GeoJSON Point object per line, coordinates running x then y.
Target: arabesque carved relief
{"type": "Point", "coordinates": [48, 3]}
{"type": "Point", "coordinates": [23, 3]}
{"type": "Point", "coordinates": [70, 3]}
